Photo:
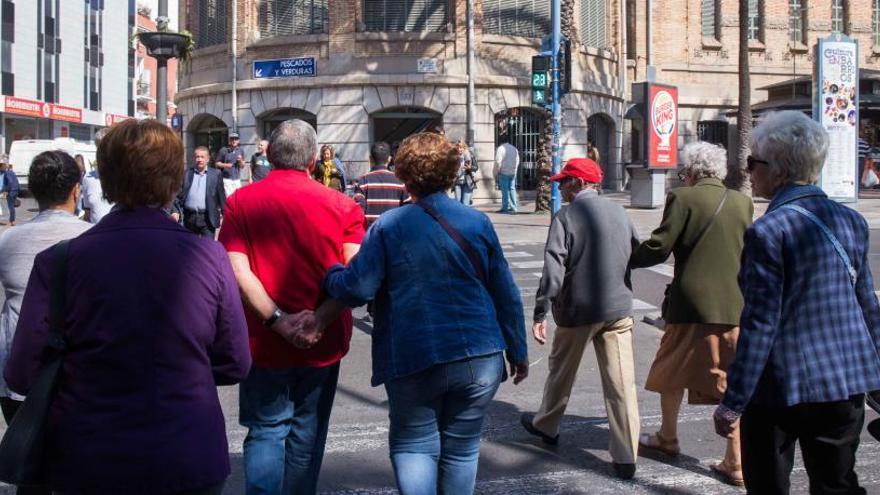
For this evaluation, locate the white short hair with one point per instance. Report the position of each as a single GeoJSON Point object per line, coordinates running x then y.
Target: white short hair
{"type": "Point", "coordinates": [705, 160]}
{"type": "Point", "coordinates": [793, 144]}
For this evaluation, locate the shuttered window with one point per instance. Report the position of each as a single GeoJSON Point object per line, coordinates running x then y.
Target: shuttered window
{"type": "Point", "coordinates": [530, 18]}
{"type": "Point", "coordinates": [286, 17]}
{"type": "Point", "coordinates": [405, 15]}
{"type": "Point", "coordinates": [208, 22]}
{"type": "Point", "coordinates": [837, 10]}
{"type": "Point", "coordinates": [709, 18]}
{"type": "Point", "coordinates": [594, 24]}
{"type": "Point", "coordinates": [796, 14]}
{"type": "Point", "coordinates": [875, 21]}
{"type": "Point", "coordinates": [755, 20]}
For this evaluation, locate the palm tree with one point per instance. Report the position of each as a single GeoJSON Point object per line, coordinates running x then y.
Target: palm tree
{"type": "Point", "coordinates": [545, 144]}
{"type": "Point", "coordinates": [738, 177]}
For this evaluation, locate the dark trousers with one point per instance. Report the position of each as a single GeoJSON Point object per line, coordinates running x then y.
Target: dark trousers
{"type": "Point", "coordinates": [287, 414]}
{"type": "Point", "coordinates": [10, 203]}
{"type": "Point", "coordinates": [197, 222]}
{"type": "Point", "coordinates": [829, 436]}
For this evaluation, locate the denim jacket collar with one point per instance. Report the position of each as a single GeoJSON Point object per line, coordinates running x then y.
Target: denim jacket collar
{"type": "Point", "coordinates": [793, 192]}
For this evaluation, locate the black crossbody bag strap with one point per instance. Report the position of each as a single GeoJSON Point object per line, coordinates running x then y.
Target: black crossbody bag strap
{"type": "Point", "coordinates": [711, 220]}
{"type": "Point", "coordinates": [459, 239]}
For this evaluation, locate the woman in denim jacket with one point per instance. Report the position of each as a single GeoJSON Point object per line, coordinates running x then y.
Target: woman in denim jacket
{"type": "Point", "coordinates": [440, 327]}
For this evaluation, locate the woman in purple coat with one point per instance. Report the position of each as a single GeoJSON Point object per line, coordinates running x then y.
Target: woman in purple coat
{"type": "Point", "coordinates": [154, 324]}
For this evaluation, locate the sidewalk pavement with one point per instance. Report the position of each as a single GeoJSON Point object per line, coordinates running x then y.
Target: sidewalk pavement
{"type": "Point", "coordinates": [530, 226]}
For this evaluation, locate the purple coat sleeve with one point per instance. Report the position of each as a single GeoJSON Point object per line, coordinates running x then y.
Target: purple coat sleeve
{"type": "Point", "coordinates": [230, 353]}
{"type": "Point", "coordinates": [32, 331]}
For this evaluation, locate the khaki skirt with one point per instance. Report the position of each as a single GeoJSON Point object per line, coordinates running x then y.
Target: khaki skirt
{"type": "Point", "coordinates": [694, 356]}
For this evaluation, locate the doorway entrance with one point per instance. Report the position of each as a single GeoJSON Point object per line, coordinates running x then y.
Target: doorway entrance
{"type": "Point", "coordinates": [396, 124]}
{"type": "Point", "coordinates": [523, 128]}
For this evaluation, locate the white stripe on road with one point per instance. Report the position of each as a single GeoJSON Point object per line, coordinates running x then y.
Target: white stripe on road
{"type": "Point", "coordinates": [665, 270]}
{"type": "Point", "coordinates": [518, 254]}
{"type": "Point", "coordinates": [538, 274]}
{"type": "Point", "coordinates": [639, 305]}
{"type": "Point", "coordinates": [528, 264]}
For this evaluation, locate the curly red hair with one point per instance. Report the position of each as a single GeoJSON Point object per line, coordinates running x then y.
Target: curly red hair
{"type": "Point", "coordinates": [426, 163]}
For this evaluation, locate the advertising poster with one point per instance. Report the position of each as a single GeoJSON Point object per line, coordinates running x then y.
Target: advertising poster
{"type": "Point", "coordinates": [662, 108]}
{"type": "Point", "coordinates": [836, 107]}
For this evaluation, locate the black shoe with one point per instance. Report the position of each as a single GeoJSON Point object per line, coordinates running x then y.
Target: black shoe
{"type": "Point", "coordinates": [624, 471]}
{"type": "Point", "coordinates": [874, 429]}
{"type": "Point", "coordinates": [526, 421]}
{"type": "Point", "coordinates": [873, 400]}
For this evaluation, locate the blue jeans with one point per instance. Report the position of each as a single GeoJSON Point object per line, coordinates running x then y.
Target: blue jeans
{"type": "Point", "coordinates": [10, 202]}
{"type": "Point", "coordinates": [287, 413]}
{"type": "Point", "coordinates": [436, 422]}
{"type": "Point", "coordinates": [463, 194]}
{"type": "Point", "coordinates": [508, 192]}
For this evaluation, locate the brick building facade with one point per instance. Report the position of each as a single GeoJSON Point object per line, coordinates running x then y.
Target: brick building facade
{"type": "Point", "coordinates": [368, 86]}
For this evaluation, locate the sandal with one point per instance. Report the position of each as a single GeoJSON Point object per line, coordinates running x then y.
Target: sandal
{"type": "Point", "coordinates": [660, 444]}
{"type": "Point", "coordinates": [731, 475]}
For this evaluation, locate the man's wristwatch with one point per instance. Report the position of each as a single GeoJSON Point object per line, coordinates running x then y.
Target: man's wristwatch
{"type": "Point", "coordinates": [276, 315]}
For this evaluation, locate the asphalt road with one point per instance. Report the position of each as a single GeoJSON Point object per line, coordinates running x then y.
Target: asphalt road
{"type": "Point", "coordinates": [513, 462]}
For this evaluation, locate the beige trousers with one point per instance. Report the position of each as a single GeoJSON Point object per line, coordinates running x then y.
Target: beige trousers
{"type": "Point", "coordinates": [613, 343]}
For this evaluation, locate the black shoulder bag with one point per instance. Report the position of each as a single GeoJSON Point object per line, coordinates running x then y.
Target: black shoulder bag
{"type": "Point", "coordinates": [456, 236]}
{"type": "Point", "coordinates": [664, 307]}
{"type": "Point", "coordinates": [22, 450]}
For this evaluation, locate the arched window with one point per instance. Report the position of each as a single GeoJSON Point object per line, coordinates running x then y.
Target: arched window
{"type": "Point", "coordinates": [208, 22]}
{"type": "Point", "coordinates": [594, 24]}
{"type": "Point", "coordinates": [530, 18]}
{"type": "Point", "coordinates": [755, 20]}
{"type": "Point", "coordinates": [405, 15]}
{"type": "Point", "coordinates": [837, 16]}
{"type": "Point", "coordinates": [709, 19]}
{"type": "Point", "coordinates": [286, 17]}
{"type": "Point", "coordinates": [875, 21]}
{"type": "Point", "coordinates": [797, 13]}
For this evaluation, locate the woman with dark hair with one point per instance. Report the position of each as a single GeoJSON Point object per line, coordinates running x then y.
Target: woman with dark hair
{"type": "Point", "coordinates": [136, 410]}
{"type": "Point", "coordinates": [54, 181]}
{"type": "Point", "coordinates": [437, 340]}
{"type": "Point", "coordinates": [330, 170]}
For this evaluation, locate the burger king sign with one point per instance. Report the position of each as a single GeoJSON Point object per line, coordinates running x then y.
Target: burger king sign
{"type": "Point", "coordinates": [662, 103]}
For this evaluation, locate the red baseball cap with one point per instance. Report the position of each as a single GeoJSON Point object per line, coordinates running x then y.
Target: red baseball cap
{"type": "Point", "coordinates": [581, 168]}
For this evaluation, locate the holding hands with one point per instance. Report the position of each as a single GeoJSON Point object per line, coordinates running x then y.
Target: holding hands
{"type": "Point", "coordinates": [300, 329]}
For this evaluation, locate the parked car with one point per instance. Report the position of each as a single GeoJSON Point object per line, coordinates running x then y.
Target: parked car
{"type": "Point", "coordinates": [22, 152]}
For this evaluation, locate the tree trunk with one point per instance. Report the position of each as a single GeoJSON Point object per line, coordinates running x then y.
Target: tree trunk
{"type": "Point", "coordinates": [545, 144]}
{"type": "Point", "coordinates": [738, 177]}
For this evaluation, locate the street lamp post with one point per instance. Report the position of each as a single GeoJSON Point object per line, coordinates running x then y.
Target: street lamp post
{"type": "Point", "coordinates": [162, 45]}
{"type": "Point", "coordinates": [556, 108]}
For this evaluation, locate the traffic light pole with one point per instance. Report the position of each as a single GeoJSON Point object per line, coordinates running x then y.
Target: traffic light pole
{"type": "Point", "coordinates": [556, 106]}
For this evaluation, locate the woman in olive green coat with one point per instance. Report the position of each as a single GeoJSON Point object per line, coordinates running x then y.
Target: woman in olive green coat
{"type": "Point", "coordinates": [703, 301]}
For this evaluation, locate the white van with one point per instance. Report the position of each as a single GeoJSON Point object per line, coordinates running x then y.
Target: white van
{"type": "Point", "coordinates": [22, 153]}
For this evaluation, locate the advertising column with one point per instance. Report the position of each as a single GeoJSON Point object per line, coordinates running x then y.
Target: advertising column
{"type": "Point", "coordinates": [836, 107]}
{"type": "Point", "coordinates": [663, 127]}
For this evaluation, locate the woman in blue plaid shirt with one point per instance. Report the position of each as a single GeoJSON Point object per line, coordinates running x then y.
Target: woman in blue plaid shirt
{"type": "Point", "coordinates": [809, 343]}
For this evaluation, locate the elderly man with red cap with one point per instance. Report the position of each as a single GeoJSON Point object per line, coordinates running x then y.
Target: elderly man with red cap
{"type": "Point", "coordinates": [586, 279]}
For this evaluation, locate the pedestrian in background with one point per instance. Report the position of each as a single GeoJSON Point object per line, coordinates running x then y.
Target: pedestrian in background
{"type": "Point", "coordinates": [588, 285]}
{"type": "Point", "coordinates": [506, 165]}
{"type": "Point", "coordinates": [282, 233]}
{"type": "Point", "coordinates": [260, 165]}
{"type": "Point", "coordinates": [202, 198]}
{"type": "Point", "coordinates": [95, 205]}
{"type": "Point", "coordinates": [702, 226]}
{"type": "Point", "coordinates": [809, 347]}
{"type": "Point", "coordinates": [465, 182]}
{"type": "Point", "coordinates": [437, 340]}
{"type": "Point", "coordinates": [230, 161]}
{"type": "Point", "coordinates": [53, 179]}
{"type": "Point", "coordinates": [380, 190]}
{"type": "Point", "coordinates": [153, 324]}
{"type": "Point", "coordinates": [330, 170]}
{"type": "Point", "coordinates": [11, 188]}
{"type": "Point", "coordinates": [593, 152]}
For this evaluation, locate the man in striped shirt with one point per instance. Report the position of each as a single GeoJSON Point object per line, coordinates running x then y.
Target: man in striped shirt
{"type": "Point", "coordinates": [379, 190]}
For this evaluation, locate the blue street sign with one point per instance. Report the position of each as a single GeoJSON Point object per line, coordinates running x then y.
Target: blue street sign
{"type": "Point", "coordinates": [285, 67]}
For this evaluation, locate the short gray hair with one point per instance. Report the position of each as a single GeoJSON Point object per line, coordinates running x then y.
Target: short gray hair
{"type": "Point", "coordinates": [793, 144]}
{"type": "Point", "coordinates": [293, 145]}
{"type": "Point", "coordinates": [705, 160]}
